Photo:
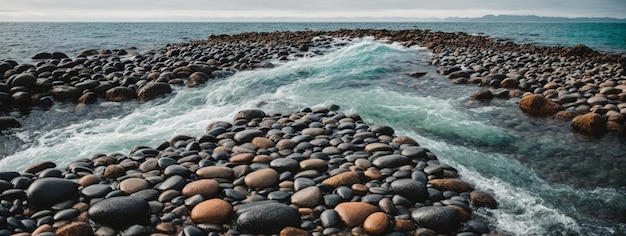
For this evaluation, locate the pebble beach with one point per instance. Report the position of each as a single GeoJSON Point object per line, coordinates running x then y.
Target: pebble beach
{"type": "Point", "coordinates": [317, 171]}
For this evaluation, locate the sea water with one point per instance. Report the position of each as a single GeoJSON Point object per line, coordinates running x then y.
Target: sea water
{"type": "Point", "coordinates": [547, 180]}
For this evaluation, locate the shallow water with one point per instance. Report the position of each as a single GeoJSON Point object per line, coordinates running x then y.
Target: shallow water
{"type": "Point", "coordinates": [533, 166]}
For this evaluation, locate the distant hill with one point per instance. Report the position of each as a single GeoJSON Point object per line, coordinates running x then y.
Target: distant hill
{"type": "Point", "coordinates": [532, 18]}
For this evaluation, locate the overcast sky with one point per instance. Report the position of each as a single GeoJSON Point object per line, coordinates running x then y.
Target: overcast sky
{"type": "Point", "coordinates": [203, 10]}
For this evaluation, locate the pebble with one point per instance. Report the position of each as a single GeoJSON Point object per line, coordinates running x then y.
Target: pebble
{"type": "Point", "coordinates": [266, 217]}
{"type": "Point", "coordinates": [133, 185]}
{"type": "Point", "coordinates": [215, 211]}
{"type": "Point", "coordinates": [455, 185]}
{"type": "Point", "coordinates": [354, 213]}
{"type": "Point", "coordinates": [376, 223]}
{"type": "Point", "coordinates": [74, 229]}
{"type": "Point", "coordinates": [207, 188]}
{"type": "Point", "coordinates": [40, 196]}
{"type": "Point", "coordinates": [439, 218]}
{"type": "Point", "coordinates": [262, 178]}
{"type": "Point", "coordinates": [346, 178]}
{"type": "Point", "coordinates": [119, 211]}
{"type": "Point", "coordinates": [308, 197]}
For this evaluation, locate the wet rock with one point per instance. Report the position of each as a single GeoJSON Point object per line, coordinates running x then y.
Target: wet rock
{"type": "Point", "coordinates": [456, 185]}
{"type": "Point", "coordinates": [120, 211]}
{"type": "Point", "coordinates": [211, 172]}
{"type": "Point", "coordinates": [308, 197]}
{"type": "Point", "coordinates": [481, 198]}
{"type": "Point", "coordinates": [207, 188]}
{"type": "Point", "coordinates": [246, 136]}
{"type": "Point", "coordinates": [483, 94]}
{"type": "Point", "coordinates": [133, 185]}
{"type": "Point", "coordinates": [293, 231]}
{"type": "Point", "coordinates": [249, 114]}
{"type": "Point", "coordinates": [590, 124]}
{"type": "Point", "coordinates": [438, 218]}
{"type": "Point", "coordinates": [262, 178]}
{"type": "Point", "coordinates": [329, 218]}
{"type": "Point", "coordinates": [26, 80]}
{"type": "Point", "coordinates": [9, 122]}
{"type": "Point", "coordinates": [347, 178]}
{"type": "Point", "coordinates": [153, 90]}
{"type": "Point", "coordinates": [197, 78]}
{"type": "Point", "coordinates": [410, 189]}
{"type": "Point", "coordinates": [74, 229]}
{"type": "Point", "coordinates": [354, 213]}
{"type": "Point", "coordinates": [376, 223]}
{"type": "Point", "coordinates": [391, 161]}
{"type": "Point", "coordinates": [40, 196]}
{"type": "Point", "coordinates": [538, 105]}
{"type": "Point", "coordinates": [120, 94]}
{"type": "Point", "coordinates": [266, 217]}
{"type": "Point", "coordinates": [375, 147]}
{"type": "Point", "coordinates": [214, 211]}
{"type": "Point", "coordinates": [417, 74]}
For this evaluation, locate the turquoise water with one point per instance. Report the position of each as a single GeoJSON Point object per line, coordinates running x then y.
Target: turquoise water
{"type": "Point", "coordinates": [547, 180]}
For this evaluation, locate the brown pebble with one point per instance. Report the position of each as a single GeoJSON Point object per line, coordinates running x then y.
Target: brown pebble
{"type": "Point", "coordinates": [313, 164]}
{"type": "Point", "coordinates": [373, 174]}
{"type": "Point", "coordinates": [463, 214]}
{"type": "Point", "coordinates": [376, 223]}
{"type": "Point", "coordinates": [39, 166]}
{"type": "Point", "coordinates": [346, 178]}
{"type": "Point", "coordinates": [376, 147]}
{"type": "Point", "coordinates": [133, 185]}
{"type": "Point", "coordinates": [88, 180]}
{"type": "Point", "coordinates": [306, 211]}
{"type": "Point", "coordinates": [405, 140]}
{"type": "Point", "coordinates": [456, 185]}
{"type": "Point", "coordinates": [481, 198]}
{"type": "Point", "coordinates": [43, 228]}
{"type": "Point", "coordinates": [424, 232]}
{"type": "Point", "coordinates": [208, 188]}
{"type": "Point", "coordinates": [353, 213]}
{"type": "Point", "coordinates": [215, 211]}
{"type": "Point", "coordinates": [166, 227]}
{"type": "Point", "coordinates": [403, 225]}
{"type": "Point", "coordinates": [262, 142]}
{"type": "Point", "coordinates": [293, 231]}
{"type": "Point", "coordinates": [285, 144]}
{"type": "Point", "coordinates": [75, 229]}
{"type": "Point", "coordinates": [262, 178]}
{"type": "Point", "coordinates": [81, 206]}
{"type": "Point", "coordinates": [211, 172]}
{"type": "Point", "coordinates": [360, 189]}
{"type": "Point", "coordinates": [243, 158]}
{"type": "Point", "coordinates": [113, 172]}
{"type": "Point", "coordinates": [261, 159]}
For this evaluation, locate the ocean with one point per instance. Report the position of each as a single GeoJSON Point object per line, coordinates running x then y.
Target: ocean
{"type": "Point", "coordinates": [547, 180]}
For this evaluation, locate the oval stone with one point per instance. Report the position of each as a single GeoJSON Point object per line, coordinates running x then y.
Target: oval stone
{"type": "Point", "coordinates": [213, 211]}
{"type": "Point", "coordinates": [353, 213]}
{"type": "Point", "coordinates": [308, 197]}
{"type": "Point", "coordinates": [376, 223]}
{"type": "Point", "coordinates": [391, 161]}
{"type": "Point", "coordinates": [438, 218]}
{"type": "Point", "coordinates": [410, 189]}
{"type": "Point", "coordinates": [262, 178]}
{"type": "Point", "coordinates": [210, 172]}
{"type": "Point", "coordinates": [266, 218]}
{"type": "Point", "coordinates": [205, 187]}
{"type": "Point", "coordinates": [40, 195]}
{"type": "Point", "coordinates": [133, 185]}
{"type": "Point", "coordinates": [120, 211]}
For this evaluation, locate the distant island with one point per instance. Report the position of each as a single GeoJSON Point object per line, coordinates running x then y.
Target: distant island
{"type": "Point", "coordinates": [531, 18]}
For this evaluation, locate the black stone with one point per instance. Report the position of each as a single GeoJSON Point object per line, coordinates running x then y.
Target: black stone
{"type": "Point", "coordinates": [438, 218]}
{"type": "Point", "coordinates": [40, 195]}
{"type": "Point", "coordinates": [120, 211]}
{"type": "Point", "coordinates": [66, 214]}
{"type": "Point", "coordinates": [411, 189]}
{"type": "Point", "coordinates": [391, 161]}
{"type": "Point", "coordinates": [175, 182]}
{"type": "Point", "coordinates": [329, 218]}
{"type": "Point", "coordinates": [285, 164]}
{"type": "Point", "coordinates": [266, 218]}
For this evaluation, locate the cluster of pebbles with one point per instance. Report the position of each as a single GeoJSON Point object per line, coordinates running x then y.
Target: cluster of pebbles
{"type": "Point", "coordinates": [578, 79]}
{"type": "Point", "coordinates": [313, 172]}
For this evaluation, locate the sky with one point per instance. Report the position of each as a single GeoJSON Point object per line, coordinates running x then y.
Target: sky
{"type": "Point", "coordinates": [310, 10]}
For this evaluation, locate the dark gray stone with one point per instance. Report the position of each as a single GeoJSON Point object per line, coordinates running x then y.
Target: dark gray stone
{"type": "Point", "coordinates": [438, 218]}
{"type": "Point", "coordinates": [329, 218]}
{"type": "Point", "coordinates": [245, 136]}
{"type": "Point", "coordinates": [40, 195]}
{"type": "Point", "coordinates": [120, 211]}
{"type": "Point", "coordinates": [411, 189]}
{"type": "Point", "coordinates": [266, 217]}
{"type": "Point", "coordinates": [96, 190]}
{"type": "Point", "coordinates": [175, 182]}
{"type": "Point", "coordinates": [391, 161]}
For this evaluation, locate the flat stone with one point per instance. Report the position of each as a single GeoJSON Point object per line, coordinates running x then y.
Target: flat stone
{"type": "Point", "coordinates": [40, 194]}
{"type": "Point", "coordinates": [113, 172]}
{"type": "Point", "coordinates": [213, 211]}
{"type": "Point", "coordinates": [88, 180]}
{"type": "Point", "coordinates": [262, 178]}
{"type": "Point", "coordinates": [133, 185]}
{"type": "Point", "coordinates": [313, 131]}
{"type": "Point", "coordinates": [249, 114]}
{"type": "Point", "coordinates": [354, 213]}
{"type": "Point", "coordinates": [481, 198]}
{"type": "Point", "coordinates": [96, 190]}
{"type": "Point", "coordinates": [285, 164]}
{"type": "Point", "coordinates": [346, 178]}
{"type": "Point", "coordinates": [211, 172]}
{"type": "Point", "coordinates": [376, 223]}
{"type": "Point", "coordinates": [456, 185]}
{"type": "Point", "coordinates": [266, 217]}
{"type": "Point", "coordinates": [597, 100]}
{"type": "Point", "coordinates": [262, 142]}
{"type": "Point", "coordinates": [175, 182]}
{"type": "Point", "coordinates": [391, 161]}
{"type": "Point", "coordinates": [243, 158]}
{"type": "Point", "coordinates": [208, 188]}
{"type": "Point", "coordinates": [75, 228]}
{"type": "Point", "coordinates": [246, 136]}
{"type": "Point", "coordinates": [375, 147]}
{"type": "Point", "coordinates": [313, 164]}
{"type": "Point", "coordinates": [308, 197]}
{"type": "Point", "coordinates": [39, 166]}
{"type": "Point", "coordinates": [439, 218]}
{"type": "Point", "coordinates": [120, 211]}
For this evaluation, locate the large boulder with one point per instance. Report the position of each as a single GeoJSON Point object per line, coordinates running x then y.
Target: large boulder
{"type": "Point", "coordinates": [537, 105]}
{"type": "Point", "coordinates": [589, 124]}
{"type": "Point", "coordinates": [153, 90]}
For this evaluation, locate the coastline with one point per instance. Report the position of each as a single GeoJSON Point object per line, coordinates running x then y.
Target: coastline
{"type": "Point", "coordinates": [294, 44]}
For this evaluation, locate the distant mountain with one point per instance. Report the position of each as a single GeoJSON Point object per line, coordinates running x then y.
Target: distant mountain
{"type": "Point", "coordinates": [532, 18]}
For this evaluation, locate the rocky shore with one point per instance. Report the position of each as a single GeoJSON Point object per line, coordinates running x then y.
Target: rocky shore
{"type": "Point", "coordinates": [314, 172]}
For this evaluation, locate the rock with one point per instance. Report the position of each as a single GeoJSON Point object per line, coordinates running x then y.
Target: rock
{"type": "Point", "coordinates": [346, 178]}
{"type": "Point", "coordinates": [262, 178]}
{"type": "Point", "coordinates": [483, 94]}
{"type": "Point", "coordinates": [153, 90]}
{"type": "Point", "coordinates": [375, 147]}
{"type": "Point", "coordinates": [246, 136]}
{"type": "Point", "coordinates": [376, 223]}
{"type": "Point", "coordinates": [481, 198]}
{"type": "Point", "coordinates": [293, 231]}
{"type": "Point", "coordinates": [313, 131]}
{"type": "Point", "coordinates": [509, 83]}
{"type": "Point", "coordinates": [211, 172]}
{"type": "Point", "coordinates": [208, 188]}
{"type": "Point", "coordinates": [213, 211]}
{"type": "Point", "coordinates": [565, 115]}
{"type": "Point", "coordinates": [590, 124]}
{"type": "Point", "coordinates": [120, 94]}
{"type": "Point", "coordinates": [75, 229]}
{"type": "Point", "coordinates": [459, 74]}
{"type": "Point", "coordinates": [42, 55]}
{"type": "Point", "coordinates": [26, 80]}
{"type": "Point", "coordinates": [249, 114]}
{"type": "Point", "coordinates": [133, 185]}
{"type": "Point", "coordinates": [40, 195]}
{"type": "Point", "coordinates": [88, 98]}
{"type": "Point", "coordinates": [410, 189]}
{"type": "Point", "coordinates": [417, 74]}
{"type": "Point", "coordinates": [354, 213]}
{"type": "Point", "coordinates": [266, 217]}
{"type": "Point", "coordinates": [391, 161]}
{"type": "Point", "coordinates": [58, 55]}
{"type": "Point", "coordinates": [329, 218]}
{"type": "Point", "coordinates": [597, 100]}
{"type": "Point", "coordinates": [262, 142]}
{"type": "Point", "coordinates": [120, 211]}
{"type": "Point", "coordinates": [65, 93]}
{"type": "Point", "coordinates": [307, 197]}
{"type": "Point", "coordinates": [439, 218]}
{"type": "Point", "coordinates": [538, 105]}
{"type": "Point", "coordinates": [197, 78]}
{"type": "Point", "coordinates": [113, 172]}
{"type": "Point", "coordinates": [9, 122]}
{"type": "Point", "coordinates": [456, 185]}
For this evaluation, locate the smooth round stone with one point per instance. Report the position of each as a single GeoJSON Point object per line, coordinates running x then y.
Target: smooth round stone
{"type": "Point", "coordinates": [331, 200]}
{"type": "Point", "coordinates": [409, 188]}
{"type": "Point", "coordinates": [133, 185]}
{"type": "Point", "coordinates": [285, 164]}
{"type": "Point", "coordinates": [207, 188]}
{"type": "Point", "coordinates": [76, 228]}
{"type": "Point", "coordinates": [242, 158]}
{"type": "Point", "coordinates": [481, 198]}
{"type": "Point", "coordinates": [246, 136]}
{"type": "Point", "coordinates": [329, 218]}
{"type": "Point", "coordinates": [414, 152]}
{"type": "Point", "coordinates": [113, 172]}
{"type": "Point", "coordinates": [301, 183]}
{"type": "Point", "coordinates": [438, 218]}
{"type": "Point", "coordinates": [266, 217]}
{"type": "Point", "coordinates": [211, 172]}
{"type": "Point", "coordinates": [391, 161]}
{"type": "Point", "coordinates": [120, 211]}
{"type": "Point", "coordinates": [175, 182]}
{"type": "Point", "coordinates": [172, 170]}
{"type": "Point", "coordinates": [346, 178]}
{"type": "Point", "coordinates": [147, 194]}
{"type": "Point", "coordinates": [66, 214]}
{"type": "Point", "coordinates": [455, 185]}
{"type": "Point", "coordinates": [40, 194]}
{"type": "Point", "coordinates": [213, 211]}
{"type": "Point", "coordinates": [376, 223]}
{"type": "Point", "coordinates": [279, 196]}
{"type": "Point", "coordinates": [262, 142]}
{"type": "Point", "coordinates": [313, 131]}
{"type": "Point", "coordinates": [377, 147]}
{"type": "Point", "coordinates": [165, 162]}
{"type": "Point", "coordinates": [308, 197]}
{"type": "Point", "coordinates": [233, 194]}
{"type": "Point", "coordinates": [284, 144]}
{"type": "Point", "coordinates": [262, 178]}
{"type": "Point", "coordinates": [344, 192]}
{"type": "Point", "coordinates": [135, 230]}
{"type": "Point", "coordinates": [353, 213]}
{"type": "Point", "coordinates": [313, 164]}
{"type": "Point", "coordinates": [39, 166]}
{"type": "Point", "coordinates": [387, 205]}
{"type": "Point", "coordinates": [88, 180]}
{"type": "Point", "coordinates": [191, 230]}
